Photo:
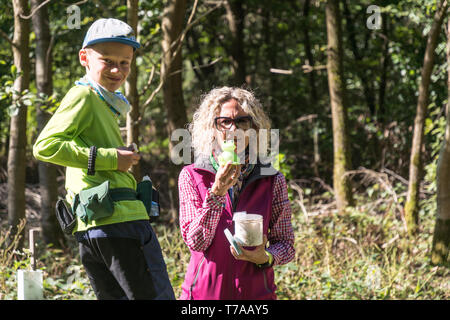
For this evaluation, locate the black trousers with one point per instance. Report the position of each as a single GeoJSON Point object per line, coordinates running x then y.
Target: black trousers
{"type": "Point", "coordinates": [125, 268]}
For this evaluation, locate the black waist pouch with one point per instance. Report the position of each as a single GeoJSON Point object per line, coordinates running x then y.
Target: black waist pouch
{"type": "Point", "coordinates": [67, 220]}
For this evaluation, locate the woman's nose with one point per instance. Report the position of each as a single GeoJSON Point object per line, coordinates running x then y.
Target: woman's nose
{"type": "Point", "coordinates": [231, 133]}
{"type": "Point", "coordinates": [233, 127]}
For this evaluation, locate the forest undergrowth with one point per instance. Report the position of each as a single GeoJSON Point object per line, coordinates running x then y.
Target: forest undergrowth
{"type": "Point", "coordinates": [365, 253]}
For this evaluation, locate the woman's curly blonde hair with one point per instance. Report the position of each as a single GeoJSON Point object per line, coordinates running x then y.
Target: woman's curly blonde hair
{"type": "Point", "coordinates": [202, 126]}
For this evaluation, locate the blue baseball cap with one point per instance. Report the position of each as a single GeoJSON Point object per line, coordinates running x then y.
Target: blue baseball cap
{"type": "Point", "coordinates": [110, 30]}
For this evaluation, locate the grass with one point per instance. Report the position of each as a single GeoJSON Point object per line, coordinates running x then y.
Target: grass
{"type": "Point", "coordinates": [360, 257]}
{"type": "Point", "coordinates": [356, 256]}
{"type": "Point", "coordinates": [64, 277]}
{"type": "Point", "coordinates": [365, 254]}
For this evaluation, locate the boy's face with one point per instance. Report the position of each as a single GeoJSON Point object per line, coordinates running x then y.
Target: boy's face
{"type": "Point", "coordinates": [107, 63]}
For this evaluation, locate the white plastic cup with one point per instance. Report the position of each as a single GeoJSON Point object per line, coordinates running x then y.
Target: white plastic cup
{"type": "Point", "coordinates": [248, 229]}
{"type": "Point", "coordinates": [30, 285]}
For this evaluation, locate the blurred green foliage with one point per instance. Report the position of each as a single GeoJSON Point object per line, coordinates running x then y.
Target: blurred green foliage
{"type": "Point", "coordinates": [382, 71]}
{"type": "Point", "coordinates": [381, 100]}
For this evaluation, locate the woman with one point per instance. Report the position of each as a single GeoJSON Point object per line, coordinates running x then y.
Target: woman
{"type": "Point", "coordinates": [210, 194]}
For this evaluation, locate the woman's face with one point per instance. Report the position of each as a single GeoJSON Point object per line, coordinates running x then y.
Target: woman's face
{"type": "Point", "coordinates": [232, 109]}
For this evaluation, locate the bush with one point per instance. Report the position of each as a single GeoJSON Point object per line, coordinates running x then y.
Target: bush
{"type": "Point", "coordinates": [64, 277]}
{"type": "Point", "coordinates": [365, 254]}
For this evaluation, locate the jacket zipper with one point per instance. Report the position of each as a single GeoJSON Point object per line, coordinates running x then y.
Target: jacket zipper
{"type": "Point", "coordinates": [234, 203]}
{"type": "Point", "coordinates": [233, 208]}
{"type": "Point", "coordinates": [195, 278]}
{"type": "Point", "coordinates": [265, 281]}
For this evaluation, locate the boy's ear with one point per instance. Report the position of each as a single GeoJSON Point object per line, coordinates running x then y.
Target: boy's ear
{"type": "Point", "coordinates": [82, 54]}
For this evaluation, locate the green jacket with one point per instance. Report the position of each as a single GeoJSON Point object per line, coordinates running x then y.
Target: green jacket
{"type": "Point", "coordinates": [83, 120]}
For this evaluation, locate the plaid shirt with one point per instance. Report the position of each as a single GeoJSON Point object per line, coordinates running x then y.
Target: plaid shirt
{"type": "Point", "coordinates": [199, 220]}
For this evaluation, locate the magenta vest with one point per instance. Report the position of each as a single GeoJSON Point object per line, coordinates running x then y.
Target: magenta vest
{"type": "Point", "coordinates": [215, 274]}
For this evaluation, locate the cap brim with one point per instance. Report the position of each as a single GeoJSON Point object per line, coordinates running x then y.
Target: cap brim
{"type": "Point", "coordinates": [134, 44]}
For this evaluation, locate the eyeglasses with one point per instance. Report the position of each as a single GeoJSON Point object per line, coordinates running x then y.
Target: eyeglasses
{"type": "Point", "coordinates": [225, 123]}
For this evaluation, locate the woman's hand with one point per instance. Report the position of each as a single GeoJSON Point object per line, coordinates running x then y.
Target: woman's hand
{"type": "Point", "coordinates": [226, 177]}
{"type": "Point", "coordinates": [126, 158]}
{"type": "Point", "coordinates": [258, 255]}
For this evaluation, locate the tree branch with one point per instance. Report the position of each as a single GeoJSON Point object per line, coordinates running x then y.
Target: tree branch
{"type": "Point", "coordinates": [200, 66]}
{"type": "Point", "coordinates": [177, 44]}
{"type": "Point", "coordinates": [308, 68]}
{"type": "Point", "coordinates": [49, 50]}
{"type": "Point", "coordinates": [150, 80]}
{"type": "Point", "coordinates": [35, 10]}
{"type": "Point", "coordinates": [190, 24]}
{"type": "Point", "coordinates": [44, 3]}
{"type": "Point", "coordinates": [7, 38]}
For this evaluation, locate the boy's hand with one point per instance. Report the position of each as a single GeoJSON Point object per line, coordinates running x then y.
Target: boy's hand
{"type": "Point", "coordinates": [126, 158]}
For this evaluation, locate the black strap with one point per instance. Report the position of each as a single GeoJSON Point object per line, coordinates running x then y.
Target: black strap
{"type": "Point", "coordinates": [91, 160]}
{"type": "Point", "coordinates": [122, 194]}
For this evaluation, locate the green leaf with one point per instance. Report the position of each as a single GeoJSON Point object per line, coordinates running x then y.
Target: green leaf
{"type": "Point", "coordinates": [13, 110]}
{"type": "Point", "coordinates": [13, 70]}
{"type": "Point", "coordinates": [428, 125]}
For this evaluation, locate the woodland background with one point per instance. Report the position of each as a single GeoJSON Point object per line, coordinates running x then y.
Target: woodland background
{"type": "Point", "coordinates": [361, 112]}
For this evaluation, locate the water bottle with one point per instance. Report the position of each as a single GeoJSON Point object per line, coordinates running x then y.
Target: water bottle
{"type": "Point", "coordinates": [155, 205]}
{"type": "Point", "coordinates": [155, 209]}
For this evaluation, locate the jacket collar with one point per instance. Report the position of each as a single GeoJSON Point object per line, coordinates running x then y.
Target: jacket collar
{"type": "Point", "coordinates": [202, 162]}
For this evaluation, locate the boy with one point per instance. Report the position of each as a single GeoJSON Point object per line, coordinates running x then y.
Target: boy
{"type": "Point", "coordinates": [119, 250]}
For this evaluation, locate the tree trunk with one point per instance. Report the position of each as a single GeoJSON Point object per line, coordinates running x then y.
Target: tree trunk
{"type": "Point", "coordinates": [366, 80]}
{"type": "Point", "coordinates": [381, 109]}
{"type": "Point", "coordinates": [235, 17]}
{"type": "Point", "coordinates": [441, 238]}
{"type": "Point", "coordinates": [312, 85]}
{"type": "Point", "coordinates": [384, 62]}
{"type": "Point", "coordinates": [131, 89]}
{"type": "Point", "coordinates": [171, 66]}
{"type": "Point", "coordinates": [271, 60]}
{"type": "Point", "coordinates": [51, 232]}
{"type": "Point", "coordinates": [17, 140]}
{"type": "Point", "coordinates": [336, 83]}
{"type": "Point", "coordinates": [415, 167]}
{"type": "Point", "coordinates": [308, 51]}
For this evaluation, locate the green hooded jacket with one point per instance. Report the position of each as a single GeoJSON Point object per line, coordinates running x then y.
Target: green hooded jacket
{"type": "Point", "coordinates": [81, 121]}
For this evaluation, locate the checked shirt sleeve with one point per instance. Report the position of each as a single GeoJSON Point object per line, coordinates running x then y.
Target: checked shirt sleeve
{"type": "Point", "coordinates": [281, 235]}
{"type": "Point", "coordinates": [198, 219]}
